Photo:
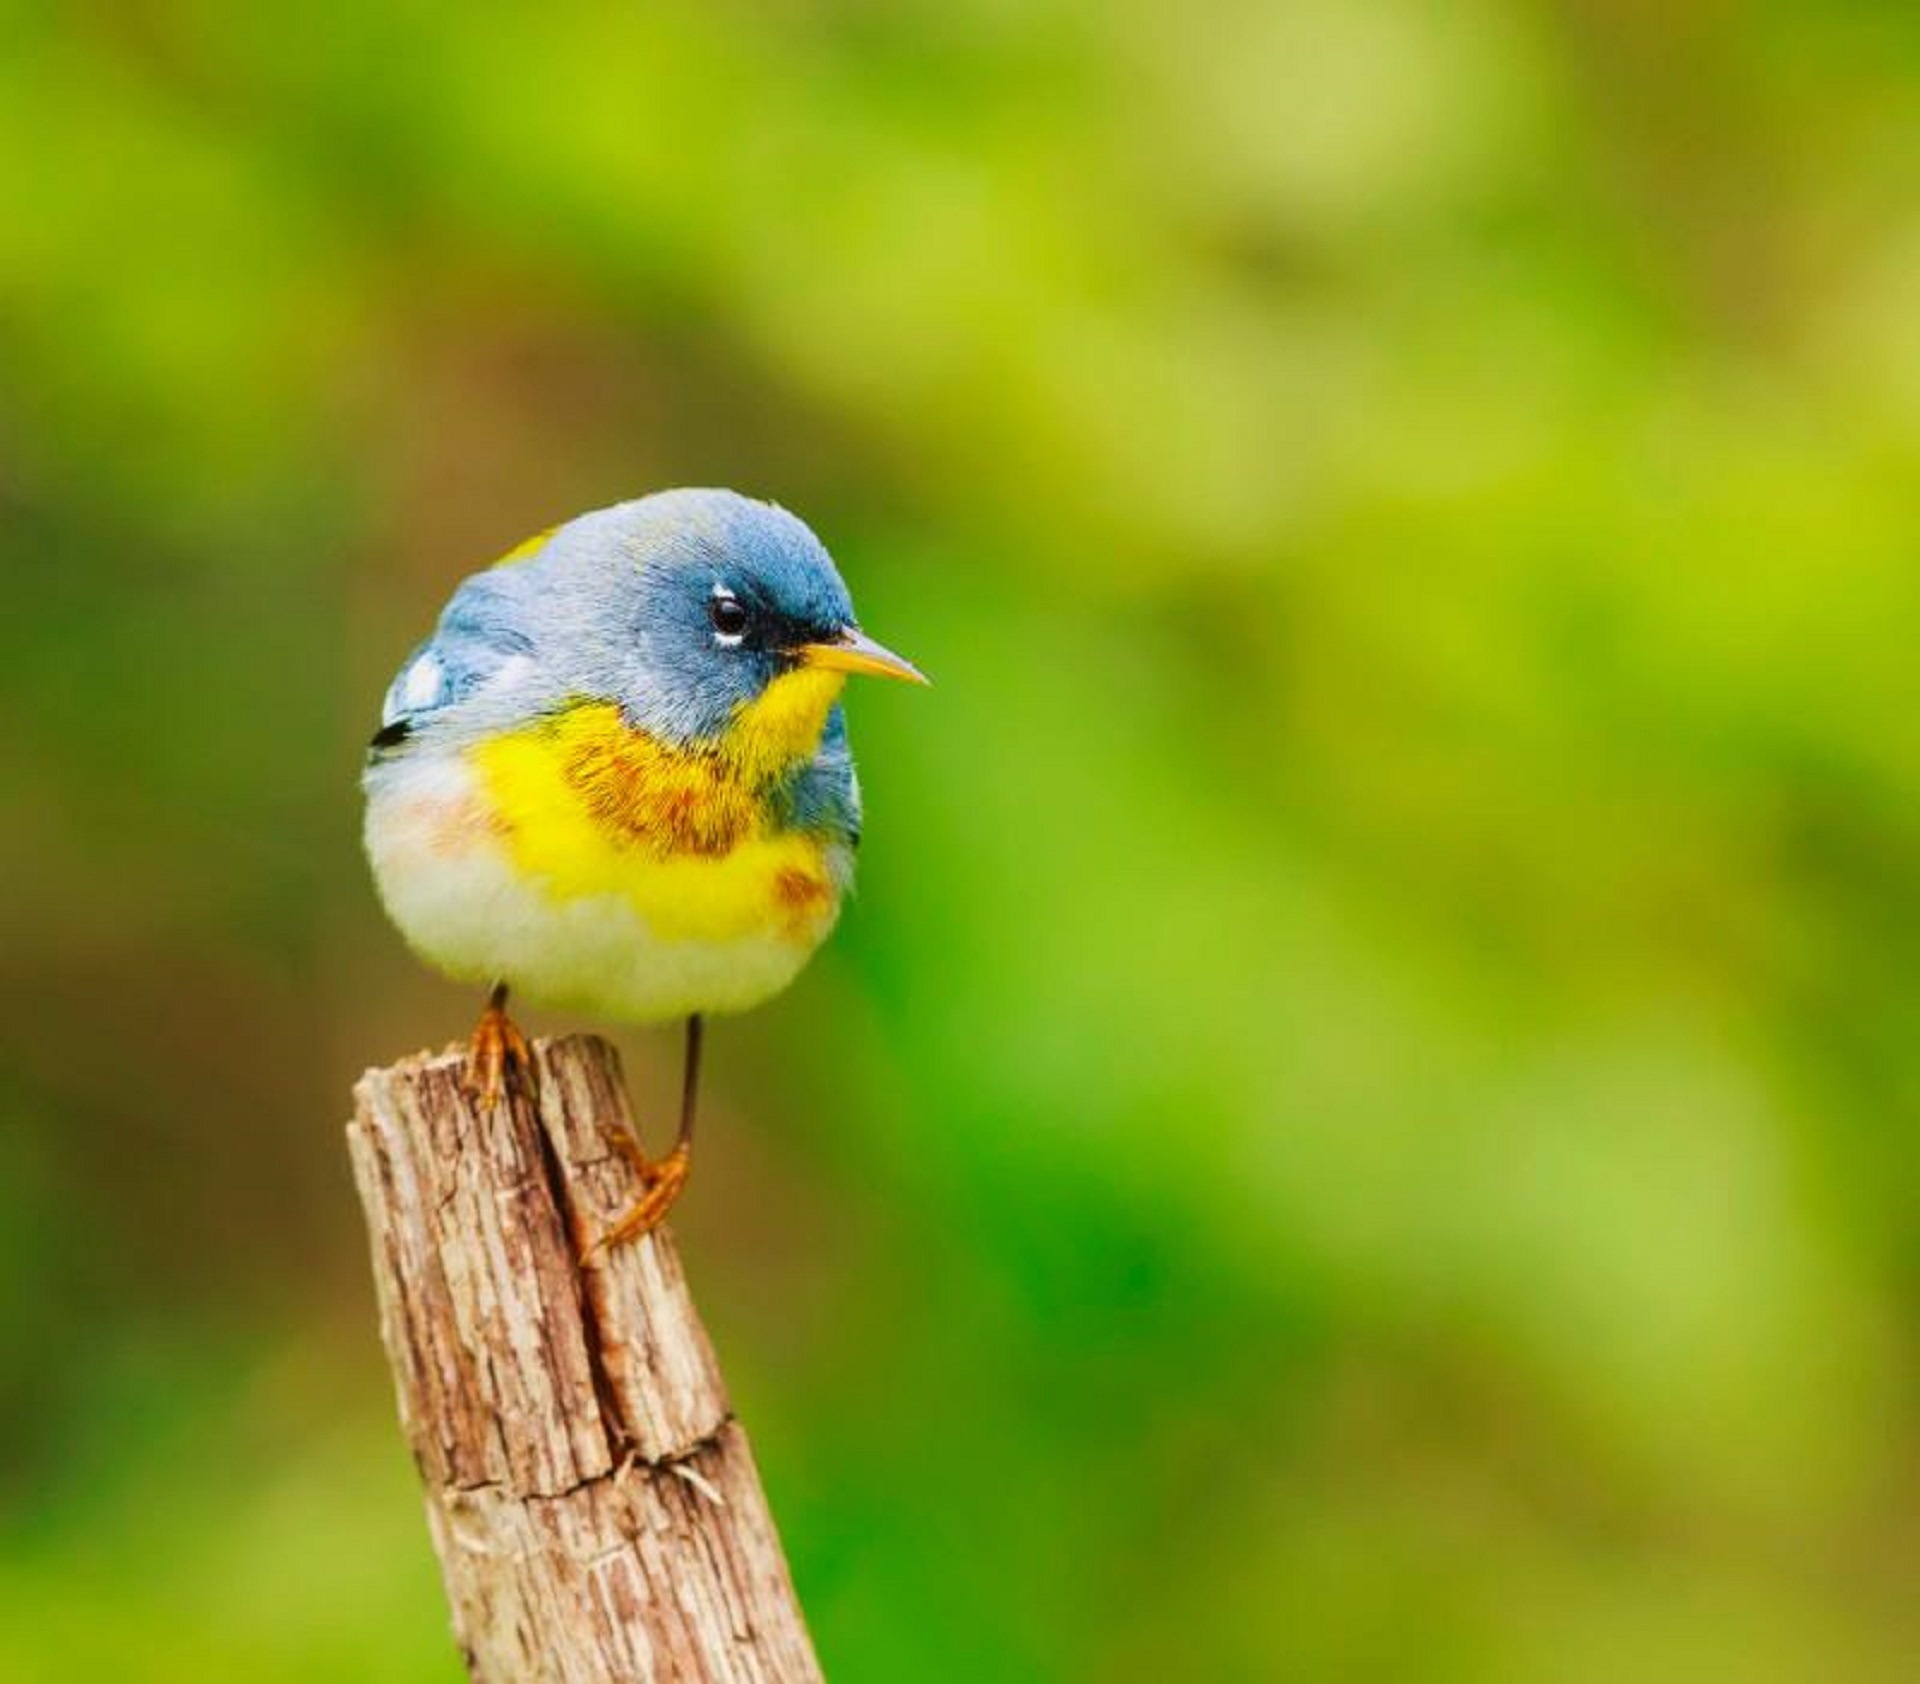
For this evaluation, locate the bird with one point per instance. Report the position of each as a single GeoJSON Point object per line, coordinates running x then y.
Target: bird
{"type": "Point", "coordinates": [616, 779]}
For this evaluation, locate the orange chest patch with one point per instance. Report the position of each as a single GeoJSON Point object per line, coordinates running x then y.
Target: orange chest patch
{"type": "Point", "coordinates": [638, 794]}
{"type": "Point", "coordinates": [645, 796]}
{"type": "Point", "coordinates": [585, 806]}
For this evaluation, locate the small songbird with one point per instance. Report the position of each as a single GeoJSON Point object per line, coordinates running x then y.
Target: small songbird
{"type": "Point", "coordinates": [616, 779]}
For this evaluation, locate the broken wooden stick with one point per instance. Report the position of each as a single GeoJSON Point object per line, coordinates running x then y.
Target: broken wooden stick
{"type": "Point", "coordinates": [595, 1505]}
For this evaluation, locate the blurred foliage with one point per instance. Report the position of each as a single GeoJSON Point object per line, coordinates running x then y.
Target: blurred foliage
{"type": "Point", "coordinates": [1364, 1123]}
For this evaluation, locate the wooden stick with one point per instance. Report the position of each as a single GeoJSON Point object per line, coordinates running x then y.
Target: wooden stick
{"type": "Point", "coordinates": [593, 1501]}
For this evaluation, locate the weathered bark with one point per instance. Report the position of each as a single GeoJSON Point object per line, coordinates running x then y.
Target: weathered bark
{"type": "Point", "coordinates": [594, 1504]}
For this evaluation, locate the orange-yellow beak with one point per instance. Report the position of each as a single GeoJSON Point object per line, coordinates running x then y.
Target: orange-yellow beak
{"type": "Point", "coordinates": [854, 651]}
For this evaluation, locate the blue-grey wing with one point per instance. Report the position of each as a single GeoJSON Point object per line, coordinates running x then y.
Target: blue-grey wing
{"type": "Point", "coordinates": [477, 636]}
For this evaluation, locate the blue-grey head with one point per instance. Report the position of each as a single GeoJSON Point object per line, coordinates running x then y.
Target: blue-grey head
{"type": "Point", "coordinates": [729, 595]}
{"type": "Point", "coordinates": [683, 607]}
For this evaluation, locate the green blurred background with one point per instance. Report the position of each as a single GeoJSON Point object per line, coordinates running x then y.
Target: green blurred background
{"type": "Point", "coordinates": [1363, 1123]}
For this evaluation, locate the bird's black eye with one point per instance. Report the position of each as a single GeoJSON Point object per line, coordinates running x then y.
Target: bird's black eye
{"type": "Point", "coordinates": [728, 617]}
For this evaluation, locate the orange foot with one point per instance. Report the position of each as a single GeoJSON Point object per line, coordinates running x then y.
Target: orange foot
{"type": "Point", "coordinates": [497, 1054]}
{"type": "Point", "coordinates": [660, 1184]}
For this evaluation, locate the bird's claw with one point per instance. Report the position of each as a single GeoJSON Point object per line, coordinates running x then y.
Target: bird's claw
{"type": "Point", "coordinates": [661, 1180]}
{"type": "Point", "coordinates": [497, 1054]}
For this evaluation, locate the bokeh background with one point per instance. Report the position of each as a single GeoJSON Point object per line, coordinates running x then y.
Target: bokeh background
{"type": "Point", "coordinates": [1363, 1123]}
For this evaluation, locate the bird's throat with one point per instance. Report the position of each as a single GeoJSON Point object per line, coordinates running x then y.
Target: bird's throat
{"type": "Point", "coordinates": [780, 727]}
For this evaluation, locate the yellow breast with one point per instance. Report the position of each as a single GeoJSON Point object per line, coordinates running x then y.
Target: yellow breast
{"type": "Point", "coordinates": [586, 807]}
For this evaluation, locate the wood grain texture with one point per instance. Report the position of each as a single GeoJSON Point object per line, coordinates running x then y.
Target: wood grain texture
{"type": "Point", "coordinates": [595, 1506]}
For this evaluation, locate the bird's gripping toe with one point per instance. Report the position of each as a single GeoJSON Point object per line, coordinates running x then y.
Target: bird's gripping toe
{"type": "Point", "coordinates": [498, 1053]}
{"type": "Point", "coordinates": [660, 1182]}
{"type": "Point", "coordinates": [660, 1178]}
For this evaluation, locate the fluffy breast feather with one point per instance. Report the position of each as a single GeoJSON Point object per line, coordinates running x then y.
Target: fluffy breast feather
{"type": "Point", "coordinates": [697, 839]}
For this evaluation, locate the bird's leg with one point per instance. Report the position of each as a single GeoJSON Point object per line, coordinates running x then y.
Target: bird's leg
{"type": "Point", "coordinates": [498, 1052]}
{"type": "Point", "coordinates": [660, 1178]}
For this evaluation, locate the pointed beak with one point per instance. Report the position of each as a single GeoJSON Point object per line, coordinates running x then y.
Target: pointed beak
{"type": "Point", "coordinates": [854, 651]}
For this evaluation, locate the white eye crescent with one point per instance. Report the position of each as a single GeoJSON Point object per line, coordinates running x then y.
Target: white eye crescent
{"type": "Point", "coordinates": [728, 618]}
